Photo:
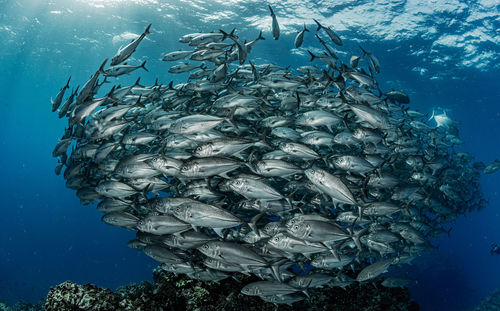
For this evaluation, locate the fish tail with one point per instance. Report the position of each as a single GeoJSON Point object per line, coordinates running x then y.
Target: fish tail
{"type": "Point", "coordinates": [143, 66]}
{"type": "Point", "coordinates": [312, 56]}
{"type": "Point", "coordinates": [364, 52]}
{"type": "Point", "coordinates": [253, 223]}
{"type": "Point", "coordinates": [67, 84]}
{"type": "Point", "coordinates": [110, 94]}
{"type": "Point", "coordinates": [271, 9]}
{"type": "Point", "coordinates": [137, 82]}
{"type": "Point", "coordinates": [319, 25]}
{"type": "Point", "coordinates": [256, 76]}
{"type": "Point", "coordinates": [101, 69]}
{"type": "Point", "coordinates": [138, 102]}
{"type": "Point", "coordinates": [260, 37]}
{"type": "Point", "coordinates": [224, 34]}
{"type": "Point", "coordinates": [305, 29]}
{"type": "Point", "coordinates": [432, 115]}
{"type": "Point", "coordinates": [147, 29]}
{"type": "Point", "coordinates": [298, 100]}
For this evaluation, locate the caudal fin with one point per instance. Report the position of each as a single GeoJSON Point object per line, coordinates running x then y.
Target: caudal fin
{"type": "Point", "coordinates": [147, 29]}
{"type": "Point", "coordinates": [67, 83]}
{"type": "Point", "coordinates": [260, 37]}
{"type": "Point", "coordinates": [271, 9]}
{"type": "Point", "coordinates": [224, 34]}
{"type": "Point", "coordinates": [319, 25]}
{"type": "Point", "coordinates": [312, 56]}
{"type": "Point", "coordinates": [143, 66]}
{"type": "Point", "coordinates": [101, 69]}
{"type": "Point", "coordinates": [364, 52]}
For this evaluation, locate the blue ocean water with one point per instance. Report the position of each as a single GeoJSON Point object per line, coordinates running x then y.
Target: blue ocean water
{"type": "Point", "coordinates": [444, 54]}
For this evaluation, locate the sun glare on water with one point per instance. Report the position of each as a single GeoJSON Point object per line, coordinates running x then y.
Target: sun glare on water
{"type": "Point", "coordinates": [115, 3]}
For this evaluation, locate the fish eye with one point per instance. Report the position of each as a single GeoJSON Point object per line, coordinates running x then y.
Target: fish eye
{"type": "Point", "coordinates": [296, 227]}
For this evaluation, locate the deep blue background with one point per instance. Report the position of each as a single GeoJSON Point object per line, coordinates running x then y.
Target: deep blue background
{"type": "Point", "coordinates": [46, 237]}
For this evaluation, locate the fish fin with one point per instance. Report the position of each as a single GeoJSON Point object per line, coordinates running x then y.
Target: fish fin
{"type": "Point", "coordinates": [226, 35]}
{"type": "Point", "coordinates": [319, 25]}
{"type": "Point", "coordinates": [255, 72]}
{"type": "Point", "coordinates": [260, 37]}
{"type": "Point", "coordinates": [253, 223]}
{"type": "Point", "coordinates": [111, 96]}
{"type": "Point", "coordinates": [312, 56]}
{"type": "Point", "coordinates": [319, 39]}
{"type": "Point", "coordinates": [67, 83]}
{"type": "Point", "coordinates": [364, 52]}
{"type": "Point", "coordinates": [305, 29]}
{"type": "Point", "coordinates": [147, 29]}
{"type": "Point", "coordinates": [306, 293]}
{"type": "Point", "coordinates": [275, 268]}
{"type": "Point", "coordinates": [138, 102]}
{"type": "Point", "coordinates": [219, 232]}
{"type": "Point", "coordinates": [143, 66]}
{"type": "Point", "coordinates": [298, 100]}
{"type": "Point", "coordinates": [224, 175]}
{"type": "Point", "coordinates": [137, 82]}
{"type": "Point", "coordinates": [101, 69]}
{"type": "Point", "coordinates": [271, 9]}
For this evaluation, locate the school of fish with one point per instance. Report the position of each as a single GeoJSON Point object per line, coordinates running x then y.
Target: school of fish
{"type": "Point", "coordinates": [265, 170]}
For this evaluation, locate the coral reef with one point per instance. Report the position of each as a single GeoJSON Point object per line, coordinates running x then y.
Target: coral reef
{"type": "Point", "coordinates": [490, 303]}
{"type": "Point", "coordinates": [23, 306]}
{"type": "Point", "coordinates": [176, 292]}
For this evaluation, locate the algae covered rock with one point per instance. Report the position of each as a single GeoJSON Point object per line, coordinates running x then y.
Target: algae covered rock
{"type": "Point", "coordinates": [70, 296]}
{"type": "Point", "coordinates": [23, 306]}
{"type": "Point", "coordinates": [176, 292]}
{"type": "Point", "coordinates": [490, 303]}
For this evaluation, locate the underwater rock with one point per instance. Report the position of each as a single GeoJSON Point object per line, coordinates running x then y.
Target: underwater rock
{"type": "Point", "coordinates": [23, 306]}
{"type": "Point", "coordinates": [490, 303]}
{"type": "Point", "coordinates": [178, 292]}
{"type": "Point", "coordinates": [69, 296]}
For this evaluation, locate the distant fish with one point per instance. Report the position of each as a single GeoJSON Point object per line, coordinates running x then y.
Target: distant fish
{"type": "Point", "coordinates": [335, 38]}
{"type": "Point", "coordinates": [125, 52]}
{"type": "Point", "coordinates": [300, 37]}
{"type": "Point", "coordinates": [57, 101]}
{"type": "Point", "coordinates": [373, 60]}
{"type": "Point", "coordinates": [492, 167]}
{"type": "Point", "coordinates": [442, 120]}
{"type": "Point", "coordinates": [275, 26]}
